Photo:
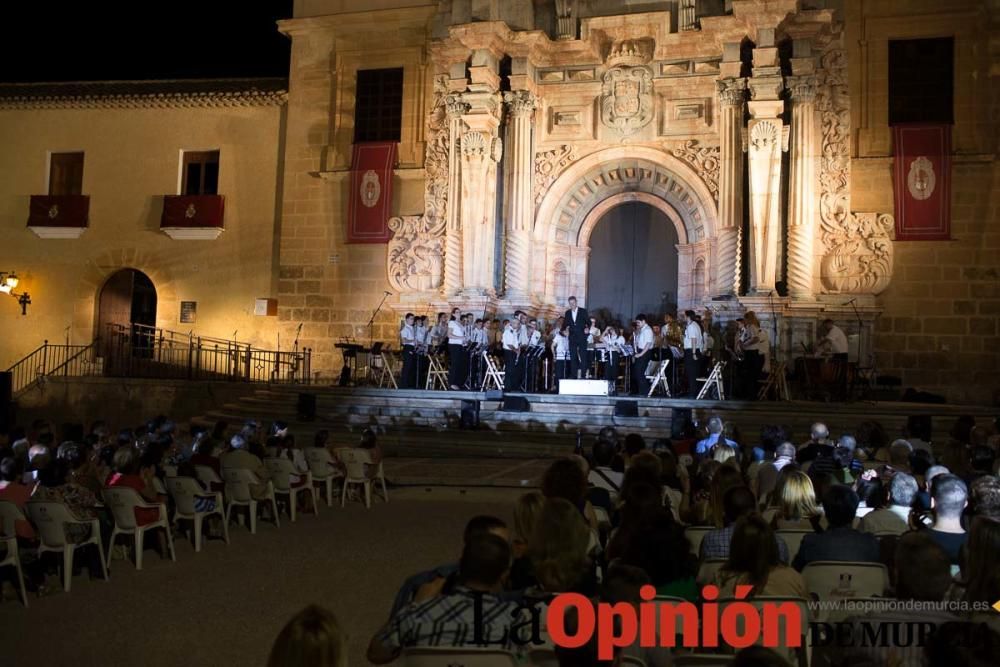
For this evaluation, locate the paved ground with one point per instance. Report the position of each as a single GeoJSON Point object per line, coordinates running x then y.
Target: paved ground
{"type": "Point", "coordinates": [225, 605]}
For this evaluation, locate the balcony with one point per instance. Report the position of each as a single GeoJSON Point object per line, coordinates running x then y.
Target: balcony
{"type": "Point", "coordinates": [59, 216]}
{"type": "Point", "coordinates": [193, 217]}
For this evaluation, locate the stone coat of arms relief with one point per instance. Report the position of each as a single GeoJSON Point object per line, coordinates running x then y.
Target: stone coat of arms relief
{"type": "Point", "coordinates": [627, 99]}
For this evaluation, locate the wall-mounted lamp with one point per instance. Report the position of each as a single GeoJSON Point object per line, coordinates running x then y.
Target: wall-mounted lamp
{"type": "Point", "coordinates": [8, 283]}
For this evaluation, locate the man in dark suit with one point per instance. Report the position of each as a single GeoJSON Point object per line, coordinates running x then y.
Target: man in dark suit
{"type": "Point", "coordinates": [578, 322]}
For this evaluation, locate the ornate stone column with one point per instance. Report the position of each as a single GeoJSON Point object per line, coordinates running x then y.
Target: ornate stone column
{"type": "Point", "coordinates": [521, 106]}
{"type": "Point", "coordinates": [453, 236]}
{"type": "Point", "coordinates": [802, 187]}
{"type": "Point", "coordinates": [766, 138]}
{"type": "Point", "coordinates": [731, 98]}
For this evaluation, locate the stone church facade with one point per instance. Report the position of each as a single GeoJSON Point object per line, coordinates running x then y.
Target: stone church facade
{"type": "Point", "coordinates": [757, 128]}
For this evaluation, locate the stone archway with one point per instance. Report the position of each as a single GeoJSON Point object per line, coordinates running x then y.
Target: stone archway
{"type": "Point", "coordinates": [594, 184]}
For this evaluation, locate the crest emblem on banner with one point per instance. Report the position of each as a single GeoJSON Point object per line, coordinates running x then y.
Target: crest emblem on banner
{"type": "Point", "coordinates": [371, 189]}
{"type": "Point", "coordinates": [627, 104]}
{"type": "Point", "coordinates": [920, 180]}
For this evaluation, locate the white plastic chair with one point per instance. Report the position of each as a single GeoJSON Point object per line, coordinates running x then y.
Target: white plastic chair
{"type": "Point", "coordinates": [184, 491]}
{"type": "Point", "coordinates": [50, 519]}
{"type": "Point", "coordinates": [832, 580]}
{"type": "Point", "coordinates": [207, 476]}
{"type": "Point", "coordinates": [238, 481]}
{"type": "Point", "coordinates": [281, 472]}
{"type": "Point", "coordinates": [169, 470]}
{"type": "Point", "coordinates": [9, 514]}
{"type": "Point", "coordinates": [122, 502]}
{"type": "Point", "coordinates": [440, 656]}
{"type": "Point", "coordinates": [793, 539]}
{"type": "Point", "coordinates": [324, 470]}
{"type": "Point", "coordinates": [355, 459]}
{"type": "Point", "coordinates": [695, 535]}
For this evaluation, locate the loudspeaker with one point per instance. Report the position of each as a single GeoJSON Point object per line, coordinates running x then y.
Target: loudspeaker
{"type": "Point", "coordinates": [516, 404]}
{"type": "Point", "coordinates": [306, 407]}
{"type": "Point", "coordinates": [626, 408]}
{"type": "Point", "coordinates": [680, 418]}
{"type": "Point", "coordinates": [470, 414]}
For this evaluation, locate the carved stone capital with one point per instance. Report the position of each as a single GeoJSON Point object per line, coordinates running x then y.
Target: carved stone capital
{"type": "Point", "coordinates": [455, 106]}
{"type": "Point", "coordinates": [520, 103]}
{"type": "Point", "coordinates": [732, 92]}
{"type": "Point", "coordinates": [802, 89]}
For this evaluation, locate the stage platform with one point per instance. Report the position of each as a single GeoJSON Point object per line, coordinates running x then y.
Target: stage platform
{"type": "Point", "coordinates": [427, 424]}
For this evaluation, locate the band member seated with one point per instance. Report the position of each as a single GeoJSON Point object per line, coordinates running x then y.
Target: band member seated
{"type": "Point", "coordinates": [578, 322]}
{"type": "Point", "coordinates": [408, 341]}
{"type": "Point", "coordinates": [643, 354]}
{"type": "Point", "coordinates": [512, 356]}
{"type": "Point", "coordinates": [456, 351]}
{"type": "Point", "coordinates": [693, 341]}
{"type": "Point", "coordinates": [832, 342]}
{"type": "Point", "coordinates": [561, 352]}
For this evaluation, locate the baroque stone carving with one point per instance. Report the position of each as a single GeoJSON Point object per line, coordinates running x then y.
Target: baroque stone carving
{"type": "Point", "coordinates": [627, 99]}
{"type": "Point", "coordinates": [859, 257]}
{"type": "Point", "coordinates": [415, 251]}
{"type": "Point", "coordinates": [548, 166]}
{"type": "Point", "coordinates": [704, 160]}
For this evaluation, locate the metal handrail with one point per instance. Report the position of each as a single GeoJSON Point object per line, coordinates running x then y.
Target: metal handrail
{"type": "Point", "coordinates": [49, 359]}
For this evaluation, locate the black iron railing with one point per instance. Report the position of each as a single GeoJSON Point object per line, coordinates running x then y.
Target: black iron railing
{"type": "Point", "coordinates": [54, 360]}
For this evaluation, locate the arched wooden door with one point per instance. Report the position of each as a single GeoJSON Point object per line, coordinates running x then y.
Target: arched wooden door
{"type": "Point", "coordinates": [127, 304]}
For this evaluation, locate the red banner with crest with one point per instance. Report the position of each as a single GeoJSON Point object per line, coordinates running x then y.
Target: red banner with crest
{"type": "Point", "coordinates": [370, 202]}
{"type": "Point", "coordinates": [922, 181]}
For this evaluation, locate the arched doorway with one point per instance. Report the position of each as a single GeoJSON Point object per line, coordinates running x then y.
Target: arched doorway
{"type": "Point", "coordinates": [128, 300]}
{"type": "Point", "coordinates": [633, 263]}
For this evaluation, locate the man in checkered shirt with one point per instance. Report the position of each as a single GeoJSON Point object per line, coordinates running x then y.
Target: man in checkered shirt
{"type": "Point", "coordinates": [736, 502]}
{"type": "Point", "coordinates": [472, 615]}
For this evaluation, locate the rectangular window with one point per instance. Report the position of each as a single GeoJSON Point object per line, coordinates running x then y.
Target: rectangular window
{"type": "Point", "coordinates": [921, 80]}
{"type": "Point", "coordinates": [66, 174]}
{"type": "Point", "coordinates": [200, 173]}
{"type": "Point", "coordinates": [378, 110]}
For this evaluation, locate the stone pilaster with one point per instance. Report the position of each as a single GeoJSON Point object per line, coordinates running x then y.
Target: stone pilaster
{"type": "Point", "coordinates": [453, 235]}
{"type": "Point", "coordinates": [521, 106]}
{"type": "Point", "coordinates": [802, 187]}
{"type": "Point", "coordinates": [731, 99]}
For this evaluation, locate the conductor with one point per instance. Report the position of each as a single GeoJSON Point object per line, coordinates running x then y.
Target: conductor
{"type": "Point", "coordinates": [577, 320]}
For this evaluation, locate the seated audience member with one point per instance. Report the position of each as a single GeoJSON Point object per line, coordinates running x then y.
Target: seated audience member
{"type": "Point", "coordinates": [567, 480]}
{"type": "Point", "coordinates": [767, 474]}
{"type": "Point", "coordinates": [559, 551]}
{"type": "Point", "coordinates": [921, 574]}
{"type": "Point", "coordinates": [447, 620]}
{"type": "Point", "coordinates": [602, 476]}
{"type": "Point", "coordinates": [585, 655]}
{"type": "Point", "coordinates": [738, 502]}
{"type": "Point", "coordinates": [53, 485]}
{"type": "Point", "coordinates": [895, 518]}
{"type": "Point", "coordinates": [128, 473]}
{"type": "Point", "coordinates": [634, 443]}
{"type": "Point", "coordinates": [312, 637]}
{"type": "Point", "coordinates": [526, 512]}
{"type": "Point", "coordinates": [715, 436]}
{"type": "Point", "coordinates": [949, 496]}
{"type": "Point", "coordinates": [918, 432]}
{"type": "Point", "coordinates": [818, 444]}
{"type": "Point", "coordinates": [623, 584]}
{"type": "Point", "coordinates": [984, 497]}
{"type": "Point", "coordinates": [239, 456]}
{"type": "Point", "coordinates": [840, 541]}
{"type": "Point", "coordinates": [871, 492]}
{"type": "Point", "coordinates": [441, 578]}
{"type": "Point", "coordinates": [726, 454]}
{"type": "Point", "coordinates": [983, 460]}
{"type": "Point", "coordinates": [797, 507]}
{"type": "Point", "coordinates": [705, 509]}
{"type": "Point", "coordinates": [754, 561]}
{"type": "Point", "coordinates": [369, 442]}
{"type": "Point", "coordinates": [640, 500]}
{"type": "Point", "coordinates": [13, 489]}
{"type": "Point", "coordinates": [900, 452]}
{"type": "Point", "coordinates": [660, 548]}
{"type": "Point", "coordinates": [206, 454]}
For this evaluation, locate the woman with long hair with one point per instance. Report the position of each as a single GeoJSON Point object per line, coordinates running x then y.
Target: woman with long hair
{"type": "Point", "coordinates": [527, 510]}
{"type": "Point", "coordinates": [980, 574]}
{"type": "Point", "coordinates": [797, 506]}
{"type": "Point", "coordinates": [754, 561]}
{"type": "Point", "coordinates": [558, 549]}
{"type": "Point", "coordinates": [313, 637]}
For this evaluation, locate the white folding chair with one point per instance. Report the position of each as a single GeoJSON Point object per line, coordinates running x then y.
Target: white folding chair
{"type": "Point", "coordinates": [659, 378]}
{"type": "Point", "coordinates": [832, 580]}
{"type": "Point", "coordinates": [50, 519]}
{"type": "Point", "coordinates": [695, 535]}
{"type": "Point", "coordinates": [793, 540]}
{"type": "Point", "coordinates": [238, 481]}
{"type": "Point", "coordinates": [439, 656]}
{"type": "Point", "coordinates": [713, 381]}
{"type": "Point", "coordinates": [282, 471]}
{"type": "Point", "coordinates": [122, 502]}
{"type": "Point", "coordinates": [795, 649]}
{"type": "Point", "coordinates": [437, 376]}
{"type": "Point", "coordinates": [185, 491]}
{"type": "Point", "coordinates": [207, 476]}
{"type": "Point", "coordinates": [355, 459]}
{"type": "Point", "coordinates": [324, 470]}
{"type": "Point", "coordinates": [9, 514]}
{"type": "Point", "coordinates": [494, 376]}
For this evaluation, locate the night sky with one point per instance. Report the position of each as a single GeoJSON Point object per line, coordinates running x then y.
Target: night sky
{"type": "Point", "coordinates": [152, 39]}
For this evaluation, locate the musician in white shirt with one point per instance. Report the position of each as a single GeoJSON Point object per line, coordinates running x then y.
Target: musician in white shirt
{"type": "Point", "coordinates": [643, 353]}
{"type": "Point", "coordinates": [560, 352]}
{"type": "Point", "coordinates": [833, 341]}
{"type": "Point", "coordinates": [456, 352]}
{"type": "Point", "coordinates": [613, 344]}
{"type": "Point", "coordinates": [408, 340]}
{"type": "Point", "coordinates": [420, 333]}
{"type": "Point", "coordinates": [693, 342]}
{"type": "Point", "coordinates": [512, 356]}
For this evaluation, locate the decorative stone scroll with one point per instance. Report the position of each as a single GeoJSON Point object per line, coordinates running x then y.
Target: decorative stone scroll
{"type": "Point", "coordinates": [859, 256]}
{"type": "Point", "coordinates": [704, 160]}
{"type": "Point", "coordinates": [548, 166]}
{"type": "Point", "coordinates": [416, 248]}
